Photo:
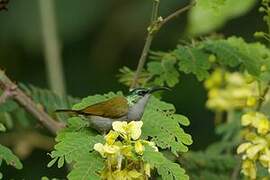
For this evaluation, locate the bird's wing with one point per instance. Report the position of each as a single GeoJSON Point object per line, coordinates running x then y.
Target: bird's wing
{"type": "Point", "coordinates": [112, 108]}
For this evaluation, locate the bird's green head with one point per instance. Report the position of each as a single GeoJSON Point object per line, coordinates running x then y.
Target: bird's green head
{"type": "Point", "coordinates": [136, 94]}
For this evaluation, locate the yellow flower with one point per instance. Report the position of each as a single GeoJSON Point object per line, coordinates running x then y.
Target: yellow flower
{"type": "Point", "coordinates": [126, 174]}
{"type": "Point", "coordinates": [134, 174]}
{"type": "Point", "coordinates": [235, 79]}
{"type": "Point", "coordinates": [100, 148]}
{"type": "Point", "coordinates": [132, 129]}
{"type": "Point", "coordinates": [147, 169]}
{"type": "Point", "coordinates": [249, 169]}
{"type": "Point", "coordinates": [214, 80]}
{"type": "Point", "coordinates": [247, 118]}
{"type": "Point", "coordinates": [152, 144]}
{"type": "Point", "coordinates": [126, 151]}
{"type": "Point", "coordinates": [251, 101]}
{"type": "Point", "coordinates": [263, 126]}
{"type": "Point", "coordinates": [243, 147]}
{"type": "Point", "coordinates": [106, 149]}
{"type": "Point", "coordinates": [239, 93]}
{"type": "Point", "coordinates": [265, 159]}
{"type": "Point", "coordinates": [111, 137]}
{"type": "Point", "coordinates": [139, 147]}
{"type": "Point", "coordinates": [254, 150]}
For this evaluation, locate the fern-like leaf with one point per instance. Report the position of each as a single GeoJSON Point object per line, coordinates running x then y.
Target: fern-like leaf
{"type": "Point", "coordinates": [163, 126]}
{"type": "Point", "coordinates": [87, 167]}
{"type": "Point", "coordinates": [7, 155]}
{"type": "Point", "coordinates": [164, 71]}
{"type": "Point", "coordinates": [193, 60]}
{"type": "Point", "coordinates": [165, 168]}
{"type": "Point", "coordinates": [72, 143]}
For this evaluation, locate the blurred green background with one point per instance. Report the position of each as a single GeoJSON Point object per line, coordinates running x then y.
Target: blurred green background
{"type": "Point", "coordinates": [98, 37]}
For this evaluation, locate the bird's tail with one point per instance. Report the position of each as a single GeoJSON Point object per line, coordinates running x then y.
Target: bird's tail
{"type": "Point", "coordinates": [70, 111]}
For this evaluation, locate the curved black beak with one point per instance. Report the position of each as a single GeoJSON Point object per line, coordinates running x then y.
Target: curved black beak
{"type": "Point", "coordinates": [154, 89]}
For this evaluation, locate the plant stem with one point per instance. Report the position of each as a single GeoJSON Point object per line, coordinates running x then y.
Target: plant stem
{"type": "Point", "coordinates": [147, 44]}
{"type": "Point", "coordinates": [28, 104]}
{"type": "Point", "coordinates": [176, 14]}
{"type": "Point", "coordinates": [52, 47]}
{"type": "Point", "coordinates": [154, 27]}
{"type": "Point", "coordinates": [236, 170]}
{"type": "Point", "coordinates": [262, 96]}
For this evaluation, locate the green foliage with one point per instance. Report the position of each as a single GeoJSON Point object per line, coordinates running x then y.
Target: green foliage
{"type": "Point", "coordinates": [209, 15]}
{"type": "Point", "coordinates": [208, 165]}
{"type": "Point", "coordinates": [11, 113]}
{"type": "Point", "coordinates": [2, 127]}
{"type": "Point", "coordinates": [167, 169]}
{"type": "Point", "coordinates": [10, 159]}
{"type": "Point", "coordinates": [192, 60]}
{"type": "Point", "coordinates": [164, 71]}
{"type": "Point", "coordinates": [75, 143]}
{"type": "Point", "coordinates": [129, 74]}
{"type": "Point", "coordinates": [232, 52]}
{"type": "Point", "coordinates": [88, 166]}
{"type": "Point", "coordinates": [49, 100]}
{"type": "Point", "coordinates": [163, 126]}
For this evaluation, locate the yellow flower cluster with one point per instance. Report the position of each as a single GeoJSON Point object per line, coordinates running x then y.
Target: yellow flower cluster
{"type": "Point", "coordinates": [123, 152]}
{"type": "Point", "coordinates": [256, 149]}
{"type": "Point", "coordinates": [228, 91]}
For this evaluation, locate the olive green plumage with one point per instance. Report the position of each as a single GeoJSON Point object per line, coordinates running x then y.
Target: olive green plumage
{"type": "Point", "coordinates": [102, 115]}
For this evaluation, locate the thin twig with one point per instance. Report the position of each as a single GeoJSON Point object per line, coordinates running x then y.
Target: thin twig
{"type": "Point", "coordinates": [176, 14]}
{"type": "Point", "coordinates": [155, 25]}
{"type": "Point", "coordinates": [52, 47]}
{"type": "Point", "coordinates": [147, 44]}
{"type": "Point", "coordinates": [236, 170]}
{"type": "Point", "coordinates": [262, 96]}
{"type": "Point", "coordinates": [28, 104]}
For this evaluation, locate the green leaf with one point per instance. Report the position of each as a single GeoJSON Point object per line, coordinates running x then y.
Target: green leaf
{"type": "Point", "coordinates": [87, 167]}
{"type": "Point", "coordinates": [71, 143]}
{"type": "Point", "coordinates": [49, 100]}
{"type": "Point", "coordinates": [209, 15]}
{"type": "Point", "coordinates": [192, 60]}
{"type": "Point", "coordinates": [253, 56]}
{"type": "Point", "coordinates": [197, 163]}
{"type": "Point", "coordinates": [183, 120]}
{"type": "Point", "coordinates": [226, 54]}
{"type": "Point", "coordinates": [7, 155]}
{"type": "Point", "coordinates": [51, 163]}
{"type": "Point", "coordinates": [164, 70]}
{"type": "Point", "coordinates": [165, 168]}
{"type": "Point", "coordinates": [126, 76]}
{"type": "Point", "coordinates": [2, 127]}
{"type": "Point", "coordinates": [163, 126]}
{"type": "Point", "coordinates": [172, 171]}
{"type": "Point", "coordinates": [61, 162]}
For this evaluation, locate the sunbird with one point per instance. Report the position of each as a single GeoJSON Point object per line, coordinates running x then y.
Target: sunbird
{"type": "Point", "coordinates": [120, 108]}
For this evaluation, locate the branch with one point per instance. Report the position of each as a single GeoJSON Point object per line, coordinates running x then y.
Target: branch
{"type": "Point", "coordinates": [156, 24]}
{"type": "Point", "coordinates": [12, 91]}
{"type": "Point", "coordinates": [52, 48]}
{"type": "Point", "coordinates": [262, 96]}
{"type": "Point", "coordinates": [236, 170]}
{"type": "Point", "coordinates": [147, 45]}
{"type": "Point", "coordinates": [176, 14]}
